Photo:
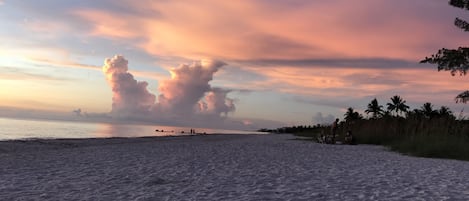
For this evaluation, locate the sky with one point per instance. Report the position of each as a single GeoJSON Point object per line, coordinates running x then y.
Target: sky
{"type": "Point", "coordinates": [222, 64]}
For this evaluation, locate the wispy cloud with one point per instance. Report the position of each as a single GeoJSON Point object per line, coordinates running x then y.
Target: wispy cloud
{"type": "Point", "coordinates": [360, 63]}
{"type": "Point", "coordinates": [14, 73]}
{"type": "Point", "coordinates": [69, 64]}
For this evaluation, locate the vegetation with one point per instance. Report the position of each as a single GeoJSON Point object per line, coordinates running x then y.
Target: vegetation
{"type": "Point", "coordinates": [397, 105]}
{"type": "Point", "coordinates": [352, 115]}
{"type": "Point", "coordinates": [425, 132]}
{"type": "Point", "coordinates": [454, 60]}
{"type": "Point", "coordinates": [375, 109]}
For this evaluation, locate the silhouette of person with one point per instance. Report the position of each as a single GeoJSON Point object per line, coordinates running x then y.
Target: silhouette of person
{"type": "Point", "coordinates": [348, 137]}
{"type": "Point", "coordinates": [334, 127]}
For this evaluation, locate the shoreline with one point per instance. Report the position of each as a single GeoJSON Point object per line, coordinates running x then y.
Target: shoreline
{"type": "Point", "coordinates": [24, 145]}
{"type": "Point", "coordinates": [130, 137]}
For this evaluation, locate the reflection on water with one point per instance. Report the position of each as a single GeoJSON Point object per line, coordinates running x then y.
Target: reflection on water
{"type": "Point", "coordinates": [129, 130]}
{"type": "Point", "coordinates": [21, 129]}
{"type": "Point", "coordinates": [124, 130]}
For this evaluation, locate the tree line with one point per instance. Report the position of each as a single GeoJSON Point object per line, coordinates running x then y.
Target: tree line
{"type": "Point", "coordinates": [398, 108]}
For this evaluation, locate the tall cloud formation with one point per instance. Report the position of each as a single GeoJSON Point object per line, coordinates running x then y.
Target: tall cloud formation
{"type": "Point", "coordinates": [130, 98]}
{"type": "Point", "coordinates": [185, 95]}
{"type": "Point", "coordinates": [217, 103]}
{"type": "Point", "coordinates": [188, 84]}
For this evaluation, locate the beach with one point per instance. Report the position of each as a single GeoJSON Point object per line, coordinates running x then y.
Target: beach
{"type": "Point", "coordinates": [221, 167]}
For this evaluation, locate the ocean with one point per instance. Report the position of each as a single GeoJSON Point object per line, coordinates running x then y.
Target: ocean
{"type": "Point", "coordinates": [11, 129]}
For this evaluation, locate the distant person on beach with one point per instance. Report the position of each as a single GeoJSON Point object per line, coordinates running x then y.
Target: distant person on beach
{"type": "Point", "coordinates": [334, 127]}
{"type": "Point", "coordinates": [348, 138]}
{"type": "Point", "coordinates": [321, 138]}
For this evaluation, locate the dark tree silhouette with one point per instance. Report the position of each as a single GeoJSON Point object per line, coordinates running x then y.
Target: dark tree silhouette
{"type": "Point", "coordinates": [454, 60]}
{"type": "Point", "coordinates": [428, 111]}
{"type": "Point", "coordinates": [375, 109]}
{"type": "Point", "coordinates": [397, 105]}
{"type": "Point", "coordinates": [445, 112]}
{"type": "Point", "coordinates": [416, 113]}
{"type": "Point", "coordinates": [351, 115]}
{"type": "Point", "coordinates": [462, 97]}
{"type": "Point", "coordinates": [387, 113]}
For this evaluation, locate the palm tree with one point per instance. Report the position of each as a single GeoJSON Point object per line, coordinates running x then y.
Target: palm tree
{"type": "Point", "coordinates": [416, 113]}
{"type": "Point", "coordinates": [427, 110]}
{"type": "Point", "coordinates": [445, 111]}
{"type": "Point", "coordinates": [375, 109]}
{"type": "Point", "coordinates": [398, 105]}
{"type": "Point", "coordinates": [351, 115]}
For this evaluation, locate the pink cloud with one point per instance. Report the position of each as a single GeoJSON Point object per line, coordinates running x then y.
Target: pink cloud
{"type": "Point", "coordinates": [179, 99]}
{"type": "Point", "coordinates": [130, 97]}
{"type": "Point", "coordinates": [216, 102]}
{"type": "Point", "coordinates": [188, 84]}
{"type": "Point", "coordinates": [251, 29]}
{"type": "Point", "coordinates": [110, 24]}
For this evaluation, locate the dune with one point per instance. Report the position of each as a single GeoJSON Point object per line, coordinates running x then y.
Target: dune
{"type": "Point", "coordinates": [221, 167]}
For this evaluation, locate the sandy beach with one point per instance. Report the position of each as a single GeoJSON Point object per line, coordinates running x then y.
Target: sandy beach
{"type": "Point", "coordinates": [221, 167]}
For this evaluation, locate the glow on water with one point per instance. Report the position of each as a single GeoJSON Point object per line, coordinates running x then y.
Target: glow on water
{"type": "Point", "coordinates": [26, 129]}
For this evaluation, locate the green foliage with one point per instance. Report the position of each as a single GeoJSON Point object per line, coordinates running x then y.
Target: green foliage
{"type": "Point", "coordinates": [434, 146]}
{"type": "Point", "coordinates": [424, 132]}
{"type": "Point", "coordinates": [442, 137]}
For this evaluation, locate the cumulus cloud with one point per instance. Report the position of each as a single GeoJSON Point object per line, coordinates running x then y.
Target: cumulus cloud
{"type": "Point", "coordinates": [216, 102]}
{"type": "Point", "coordinates": [187, 94]}
{"type": "Point", "coordinates": [188, 84]}
{"type": "Point", "coordinates": [130, 98]}
{"type": "Point", "coordinates": [319, 118]}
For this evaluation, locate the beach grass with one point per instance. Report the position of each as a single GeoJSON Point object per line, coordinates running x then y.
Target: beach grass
{"type": "Point", "coordinates": [444, 137]}
{"type": "Point", "coordinates": [435, 138]}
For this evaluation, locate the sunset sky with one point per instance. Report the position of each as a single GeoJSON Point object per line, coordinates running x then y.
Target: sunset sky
{"type": "Point", "coordinates": [230, 64]}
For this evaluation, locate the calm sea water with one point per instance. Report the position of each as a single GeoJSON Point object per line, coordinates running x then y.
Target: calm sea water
{"type": "Point", "coordinates": [26, 129]}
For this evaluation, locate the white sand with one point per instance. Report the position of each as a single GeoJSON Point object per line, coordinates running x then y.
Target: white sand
{"type": "Point", "coordinates": [221, 167]}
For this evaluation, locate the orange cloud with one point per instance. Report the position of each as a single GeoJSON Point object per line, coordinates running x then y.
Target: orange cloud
{"type": "Point", "coordinates": [248, 29]}
{"type": "Point", "coordinates": [328, 82]}
{"type": "Point", "coordinates": [254, 30]}
{"type": "Point", "coordinates": [110, 24]}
